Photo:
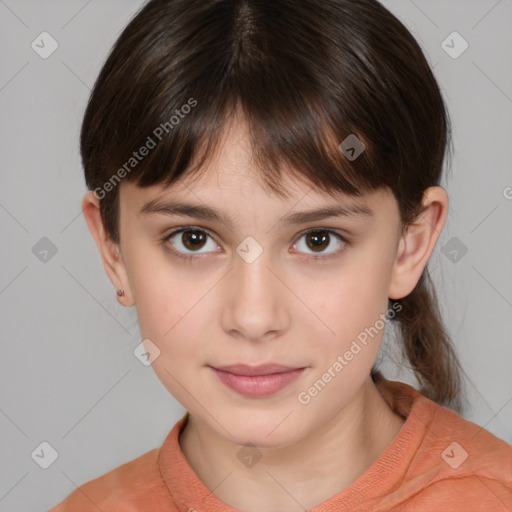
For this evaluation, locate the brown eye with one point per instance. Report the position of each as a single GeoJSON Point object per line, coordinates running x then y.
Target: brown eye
{"type": "Point", "coordinates": [193, 240]}
{"type": "Point", "coordinates": [318, 241]}
{"type": "Point", "coordinates": [189, 241]}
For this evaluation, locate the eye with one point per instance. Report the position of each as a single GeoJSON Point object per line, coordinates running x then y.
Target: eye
{"type": "Point", "coordinates": [318, 239]}
{"type": "Point", "coordinates": [189, 240]}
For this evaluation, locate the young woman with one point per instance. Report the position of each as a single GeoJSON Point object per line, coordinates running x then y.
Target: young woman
{"type": "Point", "coordinates": [264, 187]}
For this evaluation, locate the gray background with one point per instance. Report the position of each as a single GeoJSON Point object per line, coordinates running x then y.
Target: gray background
{"type": "Point", "coordinates": [68, 375]}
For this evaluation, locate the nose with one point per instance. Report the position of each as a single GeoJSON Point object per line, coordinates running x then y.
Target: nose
{"type": "Point", "coordinates": [256, 300]}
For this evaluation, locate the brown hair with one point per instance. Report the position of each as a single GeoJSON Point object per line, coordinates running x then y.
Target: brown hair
{"type": "Point", "coordinates": [306, 75]}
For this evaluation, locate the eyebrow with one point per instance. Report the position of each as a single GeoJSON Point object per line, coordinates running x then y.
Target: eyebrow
{"type": "Point", "coordinates": [204, 212]}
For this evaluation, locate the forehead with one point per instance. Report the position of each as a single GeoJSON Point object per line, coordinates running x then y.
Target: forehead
{"type": "Point", "coordinates": [232, 167]}
{"type": "Point", "coordinates": [231, 206]}
{"type": "Point", "coordinates": [230, 181]}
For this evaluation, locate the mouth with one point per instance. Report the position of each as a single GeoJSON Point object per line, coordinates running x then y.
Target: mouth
{"type": "Point", "coordinates": [264, 369]}
{"type": "Point", "coordinates": [257, 381]}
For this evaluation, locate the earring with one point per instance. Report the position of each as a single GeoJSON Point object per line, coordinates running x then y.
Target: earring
{"type": "Point", "coordinates": [120, 293]}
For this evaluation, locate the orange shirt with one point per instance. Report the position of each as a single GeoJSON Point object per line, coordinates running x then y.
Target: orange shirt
{"type": "Point", "coordinates": [438, 462]}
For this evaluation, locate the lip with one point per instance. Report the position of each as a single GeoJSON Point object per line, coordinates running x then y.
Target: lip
{"type": "Point", "coordinates": [262, 369]}
{"type": "Point", "coordinates": [263, 380]}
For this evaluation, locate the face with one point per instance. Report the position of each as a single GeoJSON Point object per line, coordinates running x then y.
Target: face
{"type": "Point", "coordinates": [254, 289]}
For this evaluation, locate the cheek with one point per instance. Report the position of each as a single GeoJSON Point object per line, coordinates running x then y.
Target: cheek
{"type": "Point", "coordinates": [173, 306]}
{"type": "Point", "coordinates": [355, 298]}
{"type": "Point", "coordinates": [351, 306]}
{"type": "Point", "coordinates": [161, 294]}
{"type": "Point", "coordinates": [352, 310]}
{"type": "Point", "coordinates": [164, 310]}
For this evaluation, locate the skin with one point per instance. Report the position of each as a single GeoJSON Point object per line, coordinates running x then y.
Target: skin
{"type": "Point", "coordinates": [284, 307]}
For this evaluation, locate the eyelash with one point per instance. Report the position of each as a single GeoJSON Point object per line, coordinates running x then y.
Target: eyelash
{"type": "Point", "coordinates": [190, 257]}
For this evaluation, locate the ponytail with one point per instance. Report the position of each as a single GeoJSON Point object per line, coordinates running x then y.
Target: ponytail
{"type": "Point", "coordinates": [427, 346]}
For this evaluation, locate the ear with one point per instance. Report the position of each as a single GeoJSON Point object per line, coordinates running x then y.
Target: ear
{"type": "Point", "coordinates": [109, 250]}
{"type": "Point", "coordinates": [418, 242]}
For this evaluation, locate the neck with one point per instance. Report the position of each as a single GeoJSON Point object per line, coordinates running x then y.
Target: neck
{"type": "Point", "coordinates": [308, 472]}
